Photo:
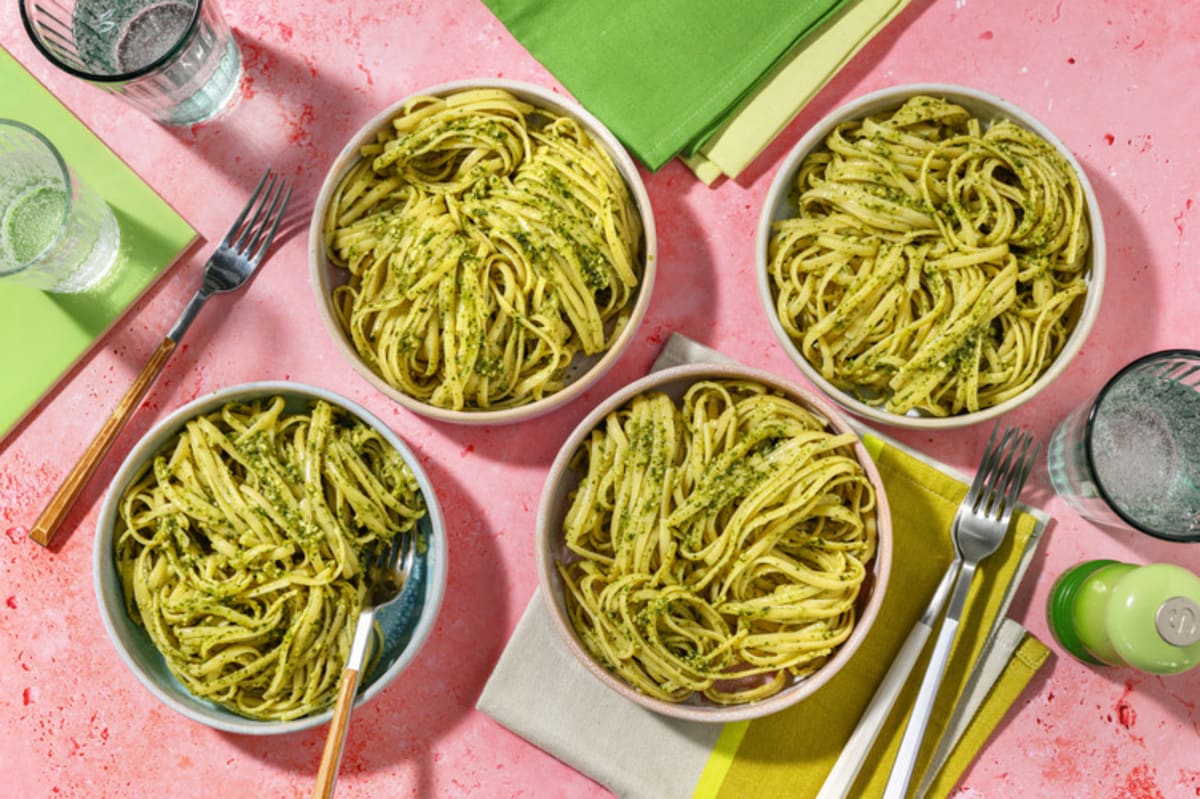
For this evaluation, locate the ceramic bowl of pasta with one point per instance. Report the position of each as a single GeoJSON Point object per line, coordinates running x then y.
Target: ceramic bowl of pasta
{"type": "Point", "coordinates": [230, 555]}
{"type": "Point", "coordinates": [714, 542]}
{"type": "Point", "coordinates": [930, 256]}
{"type": "Point", "coordinates": [482, 251]}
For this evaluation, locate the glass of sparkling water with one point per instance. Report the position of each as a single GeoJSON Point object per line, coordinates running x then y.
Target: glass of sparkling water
{"type": "Point", "coordinates": [175, 60]}
{"type": "Point", "coordinates": [56, 233]}
{"type": "Point", "coordinates": [1130, 458]}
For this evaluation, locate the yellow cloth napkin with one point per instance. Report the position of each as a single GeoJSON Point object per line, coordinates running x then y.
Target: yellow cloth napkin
{"type": "Point", "coordinates": [781, 95]}
{"type": "Point", "coordinates": [537, 690]}
{"type": "Point", "coordinates": [790, 753]}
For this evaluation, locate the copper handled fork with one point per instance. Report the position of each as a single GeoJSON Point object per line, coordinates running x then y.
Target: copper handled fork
{"type": "Point", "coordinates": [387, 575]}
{"type": "Point", "coordinates": [228, 268]}
{"type": "Point", "coordinates": [979, 528]}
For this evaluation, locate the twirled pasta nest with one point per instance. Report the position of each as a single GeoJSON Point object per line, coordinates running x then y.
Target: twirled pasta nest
{"type": "Point", "coordinates": [488, 242]}
{"type": "Point", "coordinates": [242, 549]}
{"type": "Point", "coordinates": [716, 547]}
{"type": "Point", "coordinates": [932, 266]}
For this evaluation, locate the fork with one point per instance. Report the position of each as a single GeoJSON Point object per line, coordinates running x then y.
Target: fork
{"type": "Point", "coordinates": [228, 268]}
{"type": "Point", "coordinates": [841, 778]}
{"type": "Point", "coordinates": [979, 528]}
{"type": "Point", "coordinates": [387, 575]}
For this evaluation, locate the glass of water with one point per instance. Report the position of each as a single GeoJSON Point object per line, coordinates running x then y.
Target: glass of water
{"type": "Point", "coordinates": [175, 60]}
{"type": "Point", "coordinates": [1131, 457]}
{"type": "Point", "coordinates": [56, 233]}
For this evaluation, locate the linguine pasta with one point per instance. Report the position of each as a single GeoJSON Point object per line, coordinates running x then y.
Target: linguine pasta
{"type": "Point", "coordinates": [488, 243]}
{"type": "Point", "coordinates": [716, 547]}
{"type": "Point", "coordinates": [242, 549]}
{"type": "Point", "coordinates": [932, 265]}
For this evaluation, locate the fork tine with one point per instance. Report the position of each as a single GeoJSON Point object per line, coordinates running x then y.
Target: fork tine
{"type": "Point", "coordinates": [278, 207]}
{"type": "Point", "coordinates": [1020, 474]}
{"type": "Point", "coordinates": [1015, 465]}
{"type": "Point", "coordinates": [249, 236]}
{"type": "Point", "coordinates": [384, 556]}
{"type": "Point", "coordinates": [262, 202]}
{"type": "Point", "coordinates": [986, 464]}
{"type": "Point", "coordinates": [264, 220]}
{"type": "Point", "coordinates": [237, 223]}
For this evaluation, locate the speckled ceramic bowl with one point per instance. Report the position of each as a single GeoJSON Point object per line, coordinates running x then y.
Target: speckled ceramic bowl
{"type": "Point", "coordinates": [564, 478]}
{"type": "Point", "coordinates": [406, 624]}
{"type": "Point", "coordinates": [779, 206]}
{"type": "Point", "coordinates": [586, 369]}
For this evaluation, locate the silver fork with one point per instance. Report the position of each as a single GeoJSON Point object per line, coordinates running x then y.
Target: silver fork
{"type": "Point", "coordinates": [841, 778]}
{"type": "Point", "coordinates": [228, 268]}
{"type": "Point", "coordinates": [387, 575]}
{"type": "Point", "coordinates": [978, 530]}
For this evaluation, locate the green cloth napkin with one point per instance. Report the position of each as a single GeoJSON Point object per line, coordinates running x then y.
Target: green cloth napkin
{"type": "Point", "coordinates": [782, 94]}
{"type": "Point", "coordinates": [56, 330]}
{"type": "Point", "coordinates": [661, 74]}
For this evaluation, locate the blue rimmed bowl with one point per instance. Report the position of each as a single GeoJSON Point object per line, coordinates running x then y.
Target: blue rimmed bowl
{"type": "Point", "coordinates": [405, 624]}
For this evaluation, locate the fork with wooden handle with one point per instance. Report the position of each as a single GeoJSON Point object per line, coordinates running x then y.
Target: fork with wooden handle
{"type": "Point", "coordinates": [229, 267]}
{"type": "Point", "coordinates": [387, 577]}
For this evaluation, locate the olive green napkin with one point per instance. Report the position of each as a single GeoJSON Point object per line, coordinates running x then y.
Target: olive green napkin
{"type": "Point", "coordinates": [540, 692]}
{"type": "Point", "coordinates": [661, 74]}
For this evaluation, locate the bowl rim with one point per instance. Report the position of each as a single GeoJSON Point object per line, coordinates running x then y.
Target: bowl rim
{"type": "Point", "coordinates": [545, 536]}
{"type": "Point", "coordinates": [879, 100]}
{"type": "Point", "coordinates": [159, 434]}
{"type": "Point", "coordinates": [320, 268]}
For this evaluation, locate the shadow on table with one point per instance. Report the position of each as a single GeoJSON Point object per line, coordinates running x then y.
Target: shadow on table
{"type": "Point", "coordinates": [1122, 331]}
{"type": "Point", "coordinates": [288, 115]}
{"type": "Point", "coordinates": [402, 726]}
{"type": "Point", "coordinates": [1119, 335]}
{"type": "Point", "coordinates": [1111, 699]}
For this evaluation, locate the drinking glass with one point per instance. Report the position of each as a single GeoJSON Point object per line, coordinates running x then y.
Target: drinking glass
{"type": "Point", "coordinates": [175, 60]}
{"type": "Point", "coordinates": [1130, 458]}
{"type": "Point", "coordinates": [56, 232]}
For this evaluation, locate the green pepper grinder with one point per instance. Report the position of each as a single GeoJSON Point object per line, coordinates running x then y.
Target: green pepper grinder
{"type": "Point", "coordinates": [1105, 612]}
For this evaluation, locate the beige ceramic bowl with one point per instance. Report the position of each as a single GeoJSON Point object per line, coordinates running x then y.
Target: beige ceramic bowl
{"type": "Point", "coordinates": [555, 500]}
{"type": "Point", "coordinates": [778, 206]}
{"type": "Point", "coordinates": [586, 370]}
{"type": "Point", "coordinates": [405, 624]}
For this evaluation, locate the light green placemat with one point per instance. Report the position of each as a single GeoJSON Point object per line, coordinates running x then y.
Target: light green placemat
{"type": "Point", "coordinates": [43, 335]}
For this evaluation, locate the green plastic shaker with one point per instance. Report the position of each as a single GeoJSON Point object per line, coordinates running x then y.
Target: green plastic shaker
{"type": "Point", "coordinates": [1146, 617]}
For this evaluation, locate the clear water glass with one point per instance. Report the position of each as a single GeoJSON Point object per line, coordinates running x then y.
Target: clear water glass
{"type": "Point", "coordinates": [175, 60]}
{"type": "Point", "coordinates": [1130, 458]}
{"type": "Point", "coordinates": [56, 233]}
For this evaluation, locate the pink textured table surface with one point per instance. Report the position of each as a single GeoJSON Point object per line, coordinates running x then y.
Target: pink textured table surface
{"type": "Point", "coordinates": [1112, 78]}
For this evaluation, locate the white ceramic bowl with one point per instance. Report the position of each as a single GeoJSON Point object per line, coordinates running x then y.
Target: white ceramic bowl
{"type": "Point", "coordinates": [778, 206]}
{"type": "Point", "coordinates": [555, 500]}
{"type": "Point", "coordinates": [585, 370]}
{"type": "Point", "coordinates": [406, 624]}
